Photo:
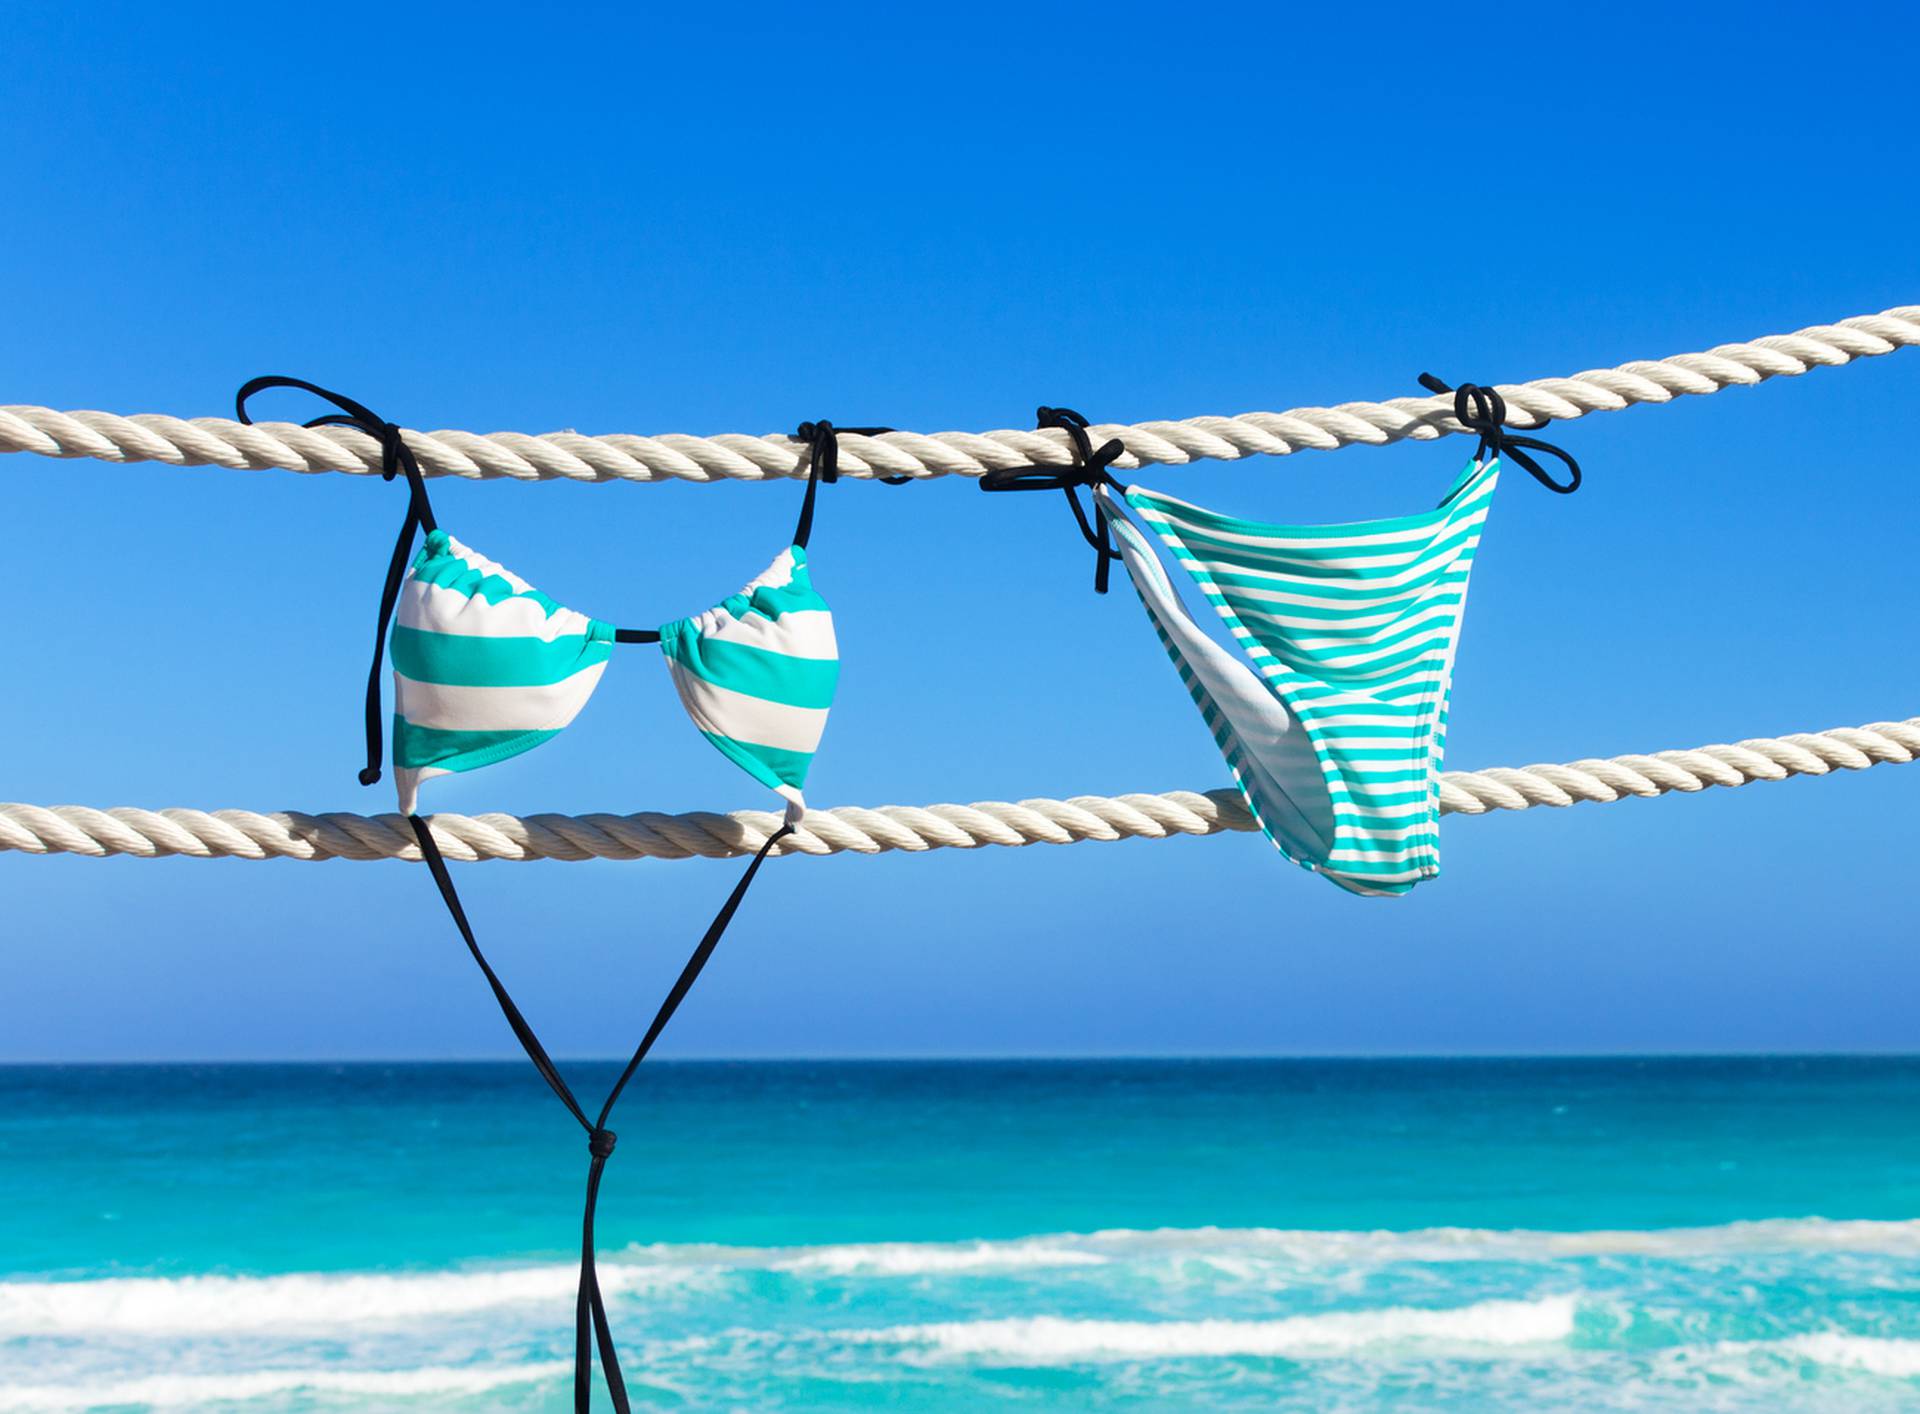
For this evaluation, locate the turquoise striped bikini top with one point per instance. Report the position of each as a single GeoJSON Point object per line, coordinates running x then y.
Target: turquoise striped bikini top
{"type": "Point", "coordinates": [486, 667]}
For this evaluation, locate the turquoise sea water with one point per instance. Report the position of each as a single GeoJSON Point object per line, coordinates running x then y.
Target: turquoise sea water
{"type": "Point", "coordinates": [1470, 1235]}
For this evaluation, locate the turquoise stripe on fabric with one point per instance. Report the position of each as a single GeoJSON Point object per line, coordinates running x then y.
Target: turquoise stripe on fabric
{"type": "Point", "coordinates": [769, 765]}
{"type": "Point", "coordinates": [1393, 576]}
{"type": "Point", "coordinates": [1328, 623]}
{"type": "Point", "coordinates": [756, 672]}
{"type": "Point", "coordinates": [796, 596]}
{"type": "Point", "coordinates": [463, 660]}
{"type": "Point", "coordinates": [436, 564]}
{"type": "Point", "coordinates": [1345, 593]}
{"type": "Point", "coordinates": [417, 746]}
{"type": "Point", "coordinates": [1151, 502]}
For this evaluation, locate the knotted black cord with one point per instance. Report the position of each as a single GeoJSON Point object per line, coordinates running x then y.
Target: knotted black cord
{"type": "Point", "coordinates": [395, 456]}
{"type": "Point", "coordinates": [823, 465]}
{"type": "Point", "coordinates": [1089, 469]}
{"type": "Point", "coordinates": [591, 1328]}
{"type": "Point", "coordinates": [1483, 411]}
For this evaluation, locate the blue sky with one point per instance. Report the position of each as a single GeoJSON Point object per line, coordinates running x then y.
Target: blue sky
{"type": "Point", "coordinates": [703, 221]}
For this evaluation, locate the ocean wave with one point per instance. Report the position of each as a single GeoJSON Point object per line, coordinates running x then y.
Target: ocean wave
{"type": "Point", "coordinates": [1872, 1355]}
{"type": "Point", "coordinates": [1046, 1340]}
{"type": "Point", "coordinates": [301, 1300]}
{"type": "Point", "coordinates": [1347, 1249]}
{"type": "Point", "coordinates": [164, 1391]}
{"type": "Point", "coordinates": [1309, 1247]}
{"type": "Point", "coordinates": [938, 1258]}
{"type": "Point", "coordinates": [1272, 1256]}
{"type": "Point", "coordinates": [1239, 1250]}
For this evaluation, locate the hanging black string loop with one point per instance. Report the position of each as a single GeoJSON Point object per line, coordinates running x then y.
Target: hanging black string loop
{"type": "Point", "coordinates": [1483, 411]}
{"type": "Point", "coordinates": [395, 457]}
{"type": "Point", "coordinates": [823, 465]}
{"type": "Point", "coordinates": [591, 1328]}
{"type": "Point", "coordinates": [1089, 468]}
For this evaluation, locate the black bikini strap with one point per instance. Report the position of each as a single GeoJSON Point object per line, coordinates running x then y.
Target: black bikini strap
{"type": "Point", "coordinates": [1089, 469]}
{"type": "Point", "coordinates": [591, 1328]}
{"type": "Point", "coordinates": [395, 457]}
{"type": "Point", "coordinates": [1483, 411]}
{"type": "Point", "coordinates": [823, 465]}
{"type": "Point", "coordinates": [522, 1031]}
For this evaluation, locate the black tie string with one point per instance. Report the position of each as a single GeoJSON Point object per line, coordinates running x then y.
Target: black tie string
{"type": "Point", "coordinates": [1089, 469]}
{"type": "Point", "coordinates": [823, 465]}
{"type": "Point", "coordinates": [591, 1329]}
{"type": "Point", "coordinates": [1483, 412]}
{"type": "Point", "coordinates": [395, 456]}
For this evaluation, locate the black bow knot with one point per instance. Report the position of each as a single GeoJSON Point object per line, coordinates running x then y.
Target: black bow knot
{"type": "Point", "coordinates": [1483, 412]}
{"type": "Point", "coordinates": [1089, 468]}
{"type": "Point", "coordinates": [600, 1142]}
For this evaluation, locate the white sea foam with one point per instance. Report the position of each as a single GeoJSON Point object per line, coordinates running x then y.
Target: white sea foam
{"type": "Point", "coordinates": [192, 1391]}
{"type": "Point", "coordinates": [1837, 1359]}
{"type": "Point", "coordinates": [1054, 1340]}
{"type": "Point", "coordinates": [314, 1301]}
{"type": "Point", "coordinates": [933, 1258]}
{"type": "Point", "coordinates": [1898, 1359]}
{"type": "Point", "coordinates": [301, 1300]}
{"type": "Point", "coordinates": [1239, 1251]}
{"type": "Point", "coordinates": [1346, 1249]}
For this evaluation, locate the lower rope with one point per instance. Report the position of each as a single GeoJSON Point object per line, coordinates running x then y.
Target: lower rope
{"type": "Point", "coordinates": [248, 834]}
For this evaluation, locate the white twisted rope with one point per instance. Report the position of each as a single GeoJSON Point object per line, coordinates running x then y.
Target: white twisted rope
{"type": "Point", "coordinates": [570, 456]}
{"type": "Point", "coordinates": [246, 834]}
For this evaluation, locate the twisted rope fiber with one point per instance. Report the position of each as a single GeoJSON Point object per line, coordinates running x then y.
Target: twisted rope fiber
{"type": "Point", "coordinates": [246, 834]}
{"type": "Point", "coordinates": [571, 456]}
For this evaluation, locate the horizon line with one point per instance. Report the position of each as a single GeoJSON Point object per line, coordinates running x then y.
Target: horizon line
{"type": "Point", "coordinates": [986, 1058]}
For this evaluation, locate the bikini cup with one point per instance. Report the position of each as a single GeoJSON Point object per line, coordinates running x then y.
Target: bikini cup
{"type": "Point", "coordinates": [486, 667]}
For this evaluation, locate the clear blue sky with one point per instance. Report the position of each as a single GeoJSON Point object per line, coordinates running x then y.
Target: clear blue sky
{"type": "Point", "coordinates": [712, 220]}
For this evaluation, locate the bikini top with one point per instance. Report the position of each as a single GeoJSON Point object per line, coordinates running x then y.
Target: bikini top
{"type": "Point", "coordinates": [486, 667]}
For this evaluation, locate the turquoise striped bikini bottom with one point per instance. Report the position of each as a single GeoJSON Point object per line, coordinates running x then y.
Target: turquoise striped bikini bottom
{"type": "Point", "coordinates": [1335, 733]}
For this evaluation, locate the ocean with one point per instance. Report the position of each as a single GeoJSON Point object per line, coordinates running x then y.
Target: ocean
{"type": "Point", "coordinates": [1699, 1234]}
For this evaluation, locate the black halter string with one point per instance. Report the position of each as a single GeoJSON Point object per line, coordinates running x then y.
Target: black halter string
{"type": "Point", "coordinates": [395, 456]}
{"type": "Point", "coordinates": [823, 466]}
{"type": "Point", "coordinates": [1484, 412]}
{"type": "Point", "coordinates": [591, 1328]}
{"type": "Point", "coordinates": [1089, 469]}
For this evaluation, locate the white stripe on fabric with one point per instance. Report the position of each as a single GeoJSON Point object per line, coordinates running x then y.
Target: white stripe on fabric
{"type": "Point", "coordinates": [1441, 615]}
{"type": "Point", "coordinates": [438, 610]}
{"type": "Point", "coordinates": [752, 720]}
{"type": "Point", "coordinates": [478, 561]}
{"type": "Point", "coordinates": [777, 575]}
{"type": "Point", "coordinates": [802, 633]}
{"type": "Point", "coordinates": [495, 709]}
{"type": "Point", "coordinates": [1403, 584]}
